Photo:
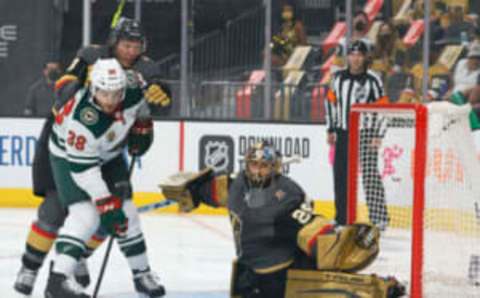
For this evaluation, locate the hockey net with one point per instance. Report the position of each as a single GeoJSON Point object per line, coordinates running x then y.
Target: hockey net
{"type": "Point", "coordinates": [414, 172]}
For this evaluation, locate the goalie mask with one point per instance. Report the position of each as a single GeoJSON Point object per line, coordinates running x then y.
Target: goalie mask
{"type": "Point", "coordinates": [108, 83]}
{"type": "Point", "coordinates": [262, 162]}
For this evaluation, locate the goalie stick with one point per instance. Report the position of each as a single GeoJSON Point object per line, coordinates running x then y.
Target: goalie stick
{"type": "Point", "coordinates": [156, 205]}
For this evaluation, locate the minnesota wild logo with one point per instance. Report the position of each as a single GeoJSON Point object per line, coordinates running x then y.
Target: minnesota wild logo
{"type": "Point", "coordinates": [89, 116]}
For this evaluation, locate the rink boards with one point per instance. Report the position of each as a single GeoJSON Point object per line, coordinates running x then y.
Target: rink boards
{"type": "Point", "coordinates": [180, 145]}
{"type": "Point", "coordinates": [192, 145]}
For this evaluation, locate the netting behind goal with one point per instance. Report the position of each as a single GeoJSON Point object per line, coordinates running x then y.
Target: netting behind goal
{"type": "Point", "coordinates": [414, 172]}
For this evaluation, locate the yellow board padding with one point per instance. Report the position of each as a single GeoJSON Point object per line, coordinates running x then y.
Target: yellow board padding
{"type": "Point", "coordinates": [401, 216]}
{"type": "Point", "coordinates": [24, 198]}
{"type": "Point", "coordinates": [461, 222]}
{"type": "Point", "coordinates": [18, 198]}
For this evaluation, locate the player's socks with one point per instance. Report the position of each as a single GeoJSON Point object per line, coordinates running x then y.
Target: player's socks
{"type": "Point", "coordinates": [39, 242]}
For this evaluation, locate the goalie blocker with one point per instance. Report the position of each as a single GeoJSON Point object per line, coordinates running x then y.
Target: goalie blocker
{"type": "Point", "coordinates": [331, 251]}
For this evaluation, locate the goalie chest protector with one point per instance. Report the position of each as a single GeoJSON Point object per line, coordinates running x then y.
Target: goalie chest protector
{"type": "Point", "coordinates": [257, 216]}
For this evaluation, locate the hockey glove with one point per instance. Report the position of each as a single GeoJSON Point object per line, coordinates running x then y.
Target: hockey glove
{"type": "Point", "coordinates": [158, 95]}
{"type": "Point", "coordinates": [112, 217]}
{"type": "Point", "coordinates": [140, 137]}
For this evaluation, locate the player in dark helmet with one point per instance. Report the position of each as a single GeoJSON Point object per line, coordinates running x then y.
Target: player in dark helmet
{"type": "Point", "coordinates": [126, 43]}
{"type": "Point", "coordinates": [127, 29]}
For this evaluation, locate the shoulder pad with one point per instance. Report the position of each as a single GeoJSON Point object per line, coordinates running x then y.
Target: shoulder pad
{"type": "Point", "coordinates": [295, 192]}
{"type": "Point", "coordinates": [289, 181]}
{"type": "Point", "coordinates": [147, 68]}
{"type": "Point", "coordinates": [91, 53]}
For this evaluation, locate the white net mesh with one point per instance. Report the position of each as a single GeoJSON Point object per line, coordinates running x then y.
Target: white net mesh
{"type": "Point", "coordinates": [451, 246]}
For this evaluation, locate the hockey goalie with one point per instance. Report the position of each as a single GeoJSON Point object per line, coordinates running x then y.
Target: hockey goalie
{"type": "Point", "coordinates": [283, 249]}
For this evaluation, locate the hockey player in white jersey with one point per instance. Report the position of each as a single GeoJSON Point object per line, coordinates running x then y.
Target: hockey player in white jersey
{"type": "Point", "coordinates": [86, 145]}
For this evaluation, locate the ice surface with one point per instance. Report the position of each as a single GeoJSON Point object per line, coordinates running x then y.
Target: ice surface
{"type": "Point", "coordinates": [191, 254]}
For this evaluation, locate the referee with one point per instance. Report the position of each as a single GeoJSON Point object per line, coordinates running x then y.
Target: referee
{"type": "Point", "coordinates": [356, 84]}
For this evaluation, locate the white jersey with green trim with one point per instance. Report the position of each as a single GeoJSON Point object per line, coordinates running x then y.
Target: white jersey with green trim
{"type": "Point", "coordinates": [88, 138]}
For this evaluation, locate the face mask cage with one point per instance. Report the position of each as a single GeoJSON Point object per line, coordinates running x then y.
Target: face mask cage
{"type": "Point", "coordinates": [262, 155]}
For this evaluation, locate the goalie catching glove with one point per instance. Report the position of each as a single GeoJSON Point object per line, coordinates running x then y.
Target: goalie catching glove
{"type": "Point", "coordinates": [112, 217]}
{"type": "Point", "coordinates": [140, 137]}
{"type": "Point", "coordinates": [183, 188]}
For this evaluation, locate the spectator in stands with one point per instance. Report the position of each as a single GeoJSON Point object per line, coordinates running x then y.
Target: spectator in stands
{"type": "Point", "coordinates": [292, 34]}
{"type": "Point", "coordinates": [458, 28]}
{"type": "Point", "coordinates": [40, 96]}
{"type": "Point", "coordinates": [474, 97]}
{"type": "Point", "coordinates": [361, 26]}
{"type": "Point", "coordinates": [389, 50]}
{"type": "Point", "coordinates": [476, 35]}
{"type": "Point", "coordinates": [437, 73]}
{"type": "Point", "coordinates": [467, 70]}
{"type": "Point", "coordinates": [416, 12]}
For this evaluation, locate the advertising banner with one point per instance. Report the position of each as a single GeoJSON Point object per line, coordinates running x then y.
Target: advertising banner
{"type": "Point", "coordinates": [223, 147]}
{"type": "Point", "coordinates": [190, 146]}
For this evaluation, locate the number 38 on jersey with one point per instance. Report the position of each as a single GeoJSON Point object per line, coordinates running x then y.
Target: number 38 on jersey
{"type": "Point", "coordinates": [77, 141]}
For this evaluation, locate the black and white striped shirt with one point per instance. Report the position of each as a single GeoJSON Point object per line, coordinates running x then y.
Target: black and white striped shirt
{"type": "Point", "coordinates": [347, 89]}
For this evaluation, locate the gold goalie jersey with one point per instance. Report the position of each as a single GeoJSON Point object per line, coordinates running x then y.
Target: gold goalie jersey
{"type": "Point", "coordinates": [87, 137]}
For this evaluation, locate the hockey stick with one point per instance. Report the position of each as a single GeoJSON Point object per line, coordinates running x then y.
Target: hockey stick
{"type": "Point", "coordinates": [110, 242]}
{"type": "Point", "coordinates": [117, 14]}
{"type": "Point", "coordinates": [292, 160]}
{"type": "Point", "coordinates": [156, 205]}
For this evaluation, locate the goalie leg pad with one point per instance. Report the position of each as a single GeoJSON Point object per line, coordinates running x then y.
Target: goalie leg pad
{"type": "Point", "coordinates": [323, 284]}
{"type": "Point", "coordinates": [350, 249]}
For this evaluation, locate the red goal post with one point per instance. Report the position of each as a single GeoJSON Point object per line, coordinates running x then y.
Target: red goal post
{"type": "Point", "coordinates": [423, 159]}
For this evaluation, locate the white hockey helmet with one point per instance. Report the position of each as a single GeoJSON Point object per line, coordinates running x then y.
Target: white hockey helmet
{"type": "Point", "coordinates": [107, 75]}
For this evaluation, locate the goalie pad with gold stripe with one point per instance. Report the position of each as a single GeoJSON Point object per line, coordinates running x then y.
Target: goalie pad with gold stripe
{"type": "Point", "coordinates": [324, 284]}
{"type": "Point", "coordinates": [349, 248]}
{"type": "Point", "coordinates": [189, 189]}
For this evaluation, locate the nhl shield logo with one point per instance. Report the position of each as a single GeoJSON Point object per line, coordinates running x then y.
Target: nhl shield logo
{"type": "Point", "coordinates": [217, 152]}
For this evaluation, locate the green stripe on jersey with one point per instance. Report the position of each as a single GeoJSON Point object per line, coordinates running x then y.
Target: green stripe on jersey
{"type": "Point", "coordinates": [84, 158]}
{"type": "Point", "coordinates": [57, 141]}
{"type": "Point", "coordinates": [80, 167]}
